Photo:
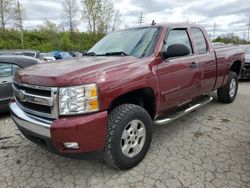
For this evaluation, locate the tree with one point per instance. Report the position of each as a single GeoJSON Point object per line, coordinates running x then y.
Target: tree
{"type": "Point", "coordinates": [91, 13]}
{"type": "Point", "coordinates": [6, 13]}
{"type": "Point", "coordinates": [116, 20]}
{"type": "Point", "coordinates": [100, 15]}
{"type": "Point", "coordinates": [70, 9]}
{"type": "Point", "coordinates": [106, 15]}
{"type": "Point", "coordinates": [49, 26]}
{"type": "Point", "coordinates": [19, 21]}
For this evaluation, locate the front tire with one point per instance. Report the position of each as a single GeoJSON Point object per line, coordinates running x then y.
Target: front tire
{"type": "Point", "coordinates": [128, 136]}
{"type": "Point", "coordinates": [227, 93]}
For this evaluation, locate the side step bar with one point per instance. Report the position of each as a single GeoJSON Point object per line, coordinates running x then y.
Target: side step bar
{"type": "Point", "coordinates": [189, 108]}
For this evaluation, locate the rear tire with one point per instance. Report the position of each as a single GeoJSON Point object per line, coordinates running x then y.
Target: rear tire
{"type": "Point", "coordinates": [128, 136]}
{"type": "Point", "coordinates": [227, 93]}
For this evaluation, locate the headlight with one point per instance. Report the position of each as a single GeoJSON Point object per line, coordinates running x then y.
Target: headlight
{"type": "Point", "coordinates": [78, 100]}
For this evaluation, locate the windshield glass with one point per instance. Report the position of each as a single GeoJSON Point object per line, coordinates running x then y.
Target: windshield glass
{"type": "Point", "coordinates": [247, 49]}
{"type": "Point", "coordinates": [137, 42]}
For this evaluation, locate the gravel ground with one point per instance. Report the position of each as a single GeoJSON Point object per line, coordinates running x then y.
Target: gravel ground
{"type": "Point", "coordinates": [207, 148]}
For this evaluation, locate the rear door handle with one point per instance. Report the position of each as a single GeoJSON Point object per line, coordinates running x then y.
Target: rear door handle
{"type": "Point", "coordinates": [194, 65]}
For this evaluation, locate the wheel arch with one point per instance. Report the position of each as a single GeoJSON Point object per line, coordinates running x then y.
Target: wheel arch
{"type": "Point", "coordinates": [236, 67]}
{"type": "Point", "coordinates": [143, 97]}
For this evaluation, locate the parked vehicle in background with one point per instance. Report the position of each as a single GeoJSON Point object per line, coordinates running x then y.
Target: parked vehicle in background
{"type": "Point", "coordinates": [132, 79]}
{"type": "Point", "coordinates": [76, 54]}
{"type": "Point", "coordinates": [9, 64]}
{"type": "Point", "coordinates": [47, 57]}
{"type": "Point", "coordinates": [218, 44]}
{"type": "Point", "coordinates": [62, 55]}
{"type": "Point", "coordinates": [246, 74]}
{"type": "Point", "coordinates": [29, 53]}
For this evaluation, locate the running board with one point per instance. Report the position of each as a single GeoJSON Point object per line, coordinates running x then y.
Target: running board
{"type": "Point", "coordinates": [191, 107]}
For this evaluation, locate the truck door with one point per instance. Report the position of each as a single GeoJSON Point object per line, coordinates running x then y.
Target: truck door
{"type": "Point", "coordinates": [179, 76]}
{"type": "Point", "coordinates": [206, 60]}
{"type": "Point", "coordinates": [6, 72]}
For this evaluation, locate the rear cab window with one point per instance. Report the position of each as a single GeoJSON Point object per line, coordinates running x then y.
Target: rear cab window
{"type": "Point", "coordinates": [178, 36]}
{"type": "Point", "coordinates": [199, 40]}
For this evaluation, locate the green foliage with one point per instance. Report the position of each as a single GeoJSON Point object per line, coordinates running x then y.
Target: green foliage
{"type": "Point", "coordinates": [49, 39]}
{"type": "Point", "coordinates": [231, 39]}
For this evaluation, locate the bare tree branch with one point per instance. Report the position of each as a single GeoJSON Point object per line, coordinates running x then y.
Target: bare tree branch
{"type": "Point", "coordinates": [6, 13]}
{"type": "Point", "coordinates": [19, 21]}
{"type": "Point", "coordinates": [100, 15]}
{"type": "Point", "coordinates": [71, 9]}
{"type": "Point", "coordinates": [116, 20]}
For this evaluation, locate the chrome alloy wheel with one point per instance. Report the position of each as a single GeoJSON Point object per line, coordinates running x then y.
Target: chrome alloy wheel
{"type": "Point", "coordinates": [232, 89]}
{"type": "Point", "coordinates": [133, 138]}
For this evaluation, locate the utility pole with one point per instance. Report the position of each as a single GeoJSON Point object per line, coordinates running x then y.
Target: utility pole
{"type": "Point", "coordinates": [248, 30]}
{"type": "Point", "coordinates": [141, 19]}
{"type": "Point", "coordinates": [214, 31]}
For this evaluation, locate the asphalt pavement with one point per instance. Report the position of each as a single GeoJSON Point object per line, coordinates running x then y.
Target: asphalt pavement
{"type": "Point", "coordinates": [209, 147]}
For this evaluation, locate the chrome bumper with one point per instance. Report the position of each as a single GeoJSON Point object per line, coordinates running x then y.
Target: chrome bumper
{"type": "Point", "coordinates": [35, 124]}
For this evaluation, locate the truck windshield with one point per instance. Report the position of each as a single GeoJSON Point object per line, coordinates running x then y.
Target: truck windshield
{"type": "Point", "coordinates": [138, 42]}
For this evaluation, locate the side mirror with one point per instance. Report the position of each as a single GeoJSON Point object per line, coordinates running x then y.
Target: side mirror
{"type": "Point", "coordinates": [176, 50]}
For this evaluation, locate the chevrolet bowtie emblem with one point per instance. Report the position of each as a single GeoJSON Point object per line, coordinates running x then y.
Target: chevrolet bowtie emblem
{"type": "Point", "coordinates": [21, 95]}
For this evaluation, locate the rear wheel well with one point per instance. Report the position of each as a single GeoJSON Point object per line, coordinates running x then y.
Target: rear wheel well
{"type": "Point", "coordinates": [142, 97]}
{"type": "Point", "coordinates": [236, 67]}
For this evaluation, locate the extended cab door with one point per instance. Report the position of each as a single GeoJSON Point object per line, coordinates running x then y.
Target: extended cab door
{"type": "Point", "coordinates": [179, 76]}
{"type": "Point", "coordinates": [206, 59]}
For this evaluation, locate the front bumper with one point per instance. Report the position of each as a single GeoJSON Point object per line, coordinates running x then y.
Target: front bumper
{"type": "Point", "coordinates": [88, 131]}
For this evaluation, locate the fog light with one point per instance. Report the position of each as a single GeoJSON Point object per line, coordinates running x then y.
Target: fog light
{"type": "Point", "coordinates": [71, 145]}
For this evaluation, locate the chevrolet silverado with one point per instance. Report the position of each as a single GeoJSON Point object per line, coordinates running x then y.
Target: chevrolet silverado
{"type": "Point", "coordinates": [131, 80]}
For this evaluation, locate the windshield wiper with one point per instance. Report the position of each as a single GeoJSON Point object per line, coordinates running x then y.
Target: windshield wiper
{"type": "Point", "coordinates": [117, 53]}
{"type": "Point", "coordinates": [114, 53]}
{"type": "Point", "coordinates": [107, 54]}
{"type": "Point", "coordinates": [91, 54]}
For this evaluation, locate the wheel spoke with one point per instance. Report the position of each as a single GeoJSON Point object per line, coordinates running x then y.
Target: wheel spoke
{"type": "Point", "coordinates": [125, 149]}
{"type": "Point", "coordinates": [232, 88]}
{"type": "Point", "coordinates": [125, 135]}
{"type": "Point", "coordinates": [134, 125]}
{"type": "Point", "coordinates": [141, 132]}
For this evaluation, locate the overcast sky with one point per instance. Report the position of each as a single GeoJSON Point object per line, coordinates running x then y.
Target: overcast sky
{"type": "Point", "coordinates": [229, 15]}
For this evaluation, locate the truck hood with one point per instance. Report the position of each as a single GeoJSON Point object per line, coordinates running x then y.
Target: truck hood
{"type": "Point", "coordinates": [75, 71]}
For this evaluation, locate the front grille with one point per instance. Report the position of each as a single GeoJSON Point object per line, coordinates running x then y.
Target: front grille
{"type": "Point", "coordinates": [36, 100]}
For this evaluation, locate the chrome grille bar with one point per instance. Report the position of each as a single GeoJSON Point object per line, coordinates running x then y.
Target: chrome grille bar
{"type": "Point", "coordinates": [29, 100]}
{"type": "Point", "coordinates": [23, 96]}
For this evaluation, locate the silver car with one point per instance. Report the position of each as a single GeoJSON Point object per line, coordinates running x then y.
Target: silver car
{"type": "Point", "coordinates": [9, 64]}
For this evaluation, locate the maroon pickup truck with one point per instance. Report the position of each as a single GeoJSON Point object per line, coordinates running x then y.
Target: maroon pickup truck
{"type": "Point", "coordinates": [109, 100]}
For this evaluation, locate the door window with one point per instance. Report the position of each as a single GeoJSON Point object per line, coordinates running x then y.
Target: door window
{"type": "Point", "coordinates": [7, 69]}
{"type": "Point", "coordinates": [178, 36]}
{"type": "Point", "coordinates": [15, 68]}
{"type": "Point", "coordinates": [200, 41]}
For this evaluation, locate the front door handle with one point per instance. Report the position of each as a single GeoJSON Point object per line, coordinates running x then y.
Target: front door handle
{"type": "Point", "coordinates": [194, 65]}
{"type": "Point", "coordinates": [4, 83]}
